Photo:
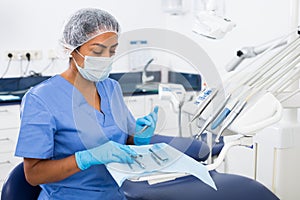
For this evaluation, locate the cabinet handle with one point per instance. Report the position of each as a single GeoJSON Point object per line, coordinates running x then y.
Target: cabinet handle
{"type": "Point", "coordinates": [132, 100]}
{"type": "Point", "coordinates": [3, 111]}
{"type": "Point", "coordinates": [5, 162]}
{"type": "Point", "coordinates": [4, 139]}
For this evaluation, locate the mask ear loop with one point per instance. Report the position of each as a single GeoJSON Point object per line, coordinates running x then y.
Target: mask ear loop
{"type": "Point", "coordinates": [79, 53]}
{"type": "Point", "coordinates": [75, 61]}
{"type": "Point", "coordinates": [74, 58]}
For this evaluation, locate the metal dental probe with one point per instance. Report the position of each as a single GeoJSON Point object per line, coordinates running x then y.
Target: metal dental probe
{"type": "Point", "coordinates": [138, 162]}
{"type": "Point", "coordinates": [157, 156]}
{"type": "Point", "coordinates": [155, 159]}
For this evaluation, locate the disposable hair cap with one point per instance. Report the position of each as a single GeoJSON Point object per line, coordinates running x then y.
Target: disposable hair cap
{"type": "Point", "coordinates": [86, 24]}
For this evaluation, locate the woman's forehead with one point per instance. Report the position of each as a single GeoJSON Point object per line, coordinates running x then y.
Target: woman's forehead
{"type": "Point", "coordinates": [108, 38]}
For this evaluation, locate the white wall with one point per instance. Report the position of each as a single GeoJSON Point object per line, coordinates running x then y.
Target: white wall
{"type": "Point", "coordinates": [36, 25]}
{"type": "Point", "coordinates": [257, 22]}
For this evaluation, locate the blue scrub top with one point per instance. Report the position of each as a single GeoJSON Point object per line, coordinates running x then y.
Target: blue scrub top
{"type": "Point", "coordinates": [56, 122]}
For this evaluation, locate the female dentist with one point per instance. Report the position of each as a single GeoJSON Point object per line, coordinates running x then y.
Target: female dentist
{"type": "Point", "coordinates": [76, 122]}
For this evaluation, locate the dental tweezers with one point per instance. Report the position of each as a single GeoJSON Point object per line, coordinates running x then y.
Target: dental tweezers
{"type": "Point", "coordinates": [138, 162]}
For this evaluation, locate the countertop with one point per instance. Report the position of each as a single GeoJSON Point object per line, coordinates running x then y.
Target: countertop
{"type": "Point", "coordinates": [13, 89]}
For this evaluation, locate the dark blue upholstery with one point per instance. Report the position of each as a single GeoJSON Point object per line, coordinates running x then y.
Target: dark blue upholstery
{"type": "Point", "coordinates": [217, 147]}
{"type": "Point", "coordinates": [230, 187]}
{"type": "Point", "coordinates": [191, 147]}
{"type": "Point", "coordinates": [17, 188]}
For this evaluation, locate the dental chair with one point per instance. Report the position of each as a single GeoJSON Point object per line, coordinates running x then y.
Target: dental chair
{"type": "Point", "coordinates": [232, 187]}
{"type": "Point", "coordinates": [229, 186]}
{"type": "Point", "coordinates": [16, 187]}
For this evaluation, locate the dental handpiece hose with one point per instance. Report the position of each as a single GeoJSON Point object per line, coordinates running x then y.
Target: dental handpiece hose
{"type": "Point", "coordinates": [225, 112]}
{"type": "Point", "coordinates": [212, 117]}
{"type": "Point", "coordinates": [231, 117]}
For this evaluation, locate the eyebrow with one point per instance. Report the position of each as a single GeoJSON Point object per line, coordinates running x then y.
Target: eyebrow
{"type": "Point", "coordinates": [103, 46]}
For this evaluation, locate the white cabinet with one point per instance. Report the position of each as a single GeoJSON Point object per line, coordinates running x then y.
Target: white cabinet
{"type": "Point", "coordinates": [167, 123]}
{"type": "Point", "coordinates": [9, 129]}
{"type": "Point", "coordinates": [9, 116]}
{"type": "Point", "coordinates": [136, 104]}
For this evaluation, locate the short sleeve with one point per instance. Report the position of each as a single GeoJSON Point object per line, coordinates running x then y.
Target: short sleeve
{"type": "Point", "coordinates": [36, 136]}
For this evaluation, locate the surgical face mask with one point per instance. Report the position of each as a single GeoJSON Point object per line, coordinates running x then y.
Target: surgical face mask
{"type": "Point", "coordinates": [95, 68]}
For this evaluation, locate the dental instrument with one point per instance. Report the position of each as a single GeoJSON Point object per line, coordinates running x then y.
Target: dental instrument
{"type": "Point", "coordinates": [274, 77]}
{"type": "Point", "coordinates": [130, 166]}
{"type": "Point", "coordinates": [273, 62]}
{"type": "Point", "coordinates": [290, 95]}
{"type": "Point", "coordinates": [268, 81]}
{"type": "Point", "coordinates": [267, 65]}
{"type": "Point", "coordinates": [160, 157]}
{"type": "Point", "coordinates": [264, 82]}
{"type": "Point", "coordinates": [253, 51]}
{"type": "Point", "coordinates": [288, 83]}
{"type": "Point", "coordinates": [155, 159]}
{"type": "Point", "coordinates": [227, 109]}
{"type": "Point", "coordinates": [231, 117]}
{"type": "Point", "coordinates": [211, 118]}
{"type": "Point", "coordinates": [289, 63]}
{"type": "Point", "coordinates": [287, 79]}
{"type": "Point", "coordinates": [263, 75]}
{"type": "Point", "coordinates": [140, 164]}
{"type": "Point", "coordinates": [278, 56]}
{"type": "Point", "coordinates": [204, 99]}
{"type": "Point", "coordinates": [143, 129]}
{"type": "Point", "coordinates": [253, 77]}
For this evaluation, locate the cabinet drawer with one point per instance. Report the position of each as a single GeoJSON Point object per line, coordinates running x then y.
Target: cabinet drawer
{"type": "Point", "coordinates": [8, 140]}
{"type": "Point", "coordinates": [9, 116]}
{"type": "Point", "coordinates": [7, 162]}
{"type": "Point", "coordinates": [6, 145]}
{"type": "Point", "coordinates": [5, 168]}
{"type": "Point", "coordinates": [11, 134]}
{"type": "Point", "coordinates": [1, 186]}
{"type": "Point", "coordinates": [10, 156]}
{"type": "Point", "coordinates": [136, 105]}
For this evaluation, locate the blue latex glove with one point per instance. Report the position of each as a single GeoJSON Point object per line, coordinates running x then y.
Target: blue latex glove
{"type": "Point", "coordinates": [144, 128]}
{"type": "Point", "coordinates": [103, 154]}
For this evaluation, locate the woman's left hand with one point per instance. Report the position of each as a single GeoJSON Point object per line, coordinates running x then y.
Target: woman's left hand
{"type": "Point", "coordinates": [145, 127]}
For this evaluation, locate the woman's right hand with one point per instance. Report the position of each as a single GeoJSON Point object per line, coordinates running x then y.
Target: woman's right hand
{"type": "Point", "coordinates": [108, 152]}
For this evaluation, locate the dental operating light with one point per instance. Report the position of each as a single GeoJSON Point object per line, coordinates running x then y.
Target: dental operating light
{"type": "Point", "coordinates": [210, 23]}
